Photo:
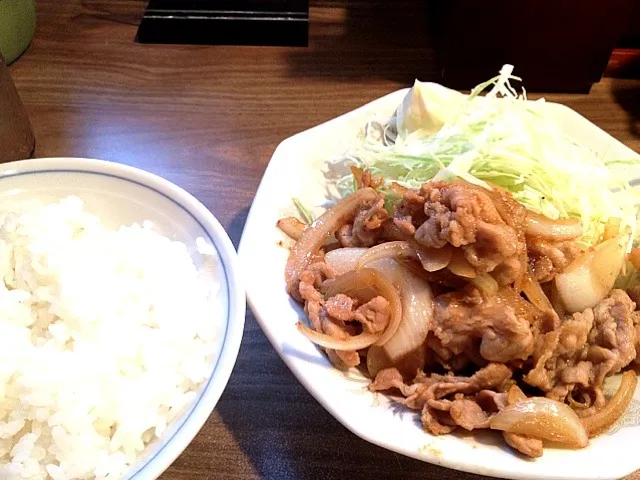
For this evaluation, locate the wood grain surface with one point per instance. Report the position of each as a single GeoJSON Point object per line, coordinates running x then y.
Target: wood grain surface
{"type": "Point", "coordinates": [208, 118]}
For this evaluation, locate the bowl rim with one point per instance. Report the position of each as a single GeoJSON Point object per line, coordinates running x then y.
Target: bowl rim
{"type": "Point", "coordinates": [151, 466]}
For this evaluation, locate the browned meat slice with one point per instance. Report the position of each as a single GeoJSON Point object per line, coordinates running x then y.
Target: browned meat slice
{"type": "Point", "coordinates": [433, 424]}
{"type": "Point", "coordinates": [468, 414]}
{"type": "Point", "coordinates": [451, 361]}
{"type": "Point", "coordinates": [373, 315]}
{"type": "Point", "coordinates": [491, 377]}
{"type": "Point", "coordinates": [548, 258]}
{"type": "Point", "coordinates": [494, 245]}
{"type": "Point", "coordinates": [431, 386]}
{"type": "Point", "coordinates": [367, 225]}
{"type": "Point", "coordinates": [484, 224]}
{"type": "Point", "coordinates": [409, 212]}
{"type": "Point", "coordinates": [635, 317]}
{"type": "Point", "coordinates": [334, 316]}
{"type": "Point", "coordinates": [580, 374]}
{"type": "Point", "coordinates": [338, 329]}
{"type": "Point", "coordinates": [531, 447]}
{"type": "Point", "coordinates": [345, 238]}
{"type": "Point", "coordinates": [542, 268]}
{"type": "Point", "coordinates": [454, 212]}
{"type": "Point", "coordinates": [558, 350]}
{"type": "Point", "coordinates": [340, 307]}
{"type": "Point", "coordinates": [397, 230]}
{"type": "Point", "coordinates": [310, 281]}
{"type": "Point", "coordinates": [463, 319]}
{"type": "Point", "coordinates": [462, 411]}
{"type": "Point", "coordinates": [368, 222]}
{"type": "Point", "coordinates": [387, 379]}
{"type": "Point", "coordinates": [474, 402]}
{"type": "Point", "coordinates": [491, 401]}
{"type": "Point", "coordinates": [575, 358]}
{"type": "Point", "coordinates": [508, 271]}
{"type": "Point", "coordinates": [613, 337]}
{"type": "Point", "coordinates": [429, 393]}
{"type": "Point", "coordinates": [364, 178]}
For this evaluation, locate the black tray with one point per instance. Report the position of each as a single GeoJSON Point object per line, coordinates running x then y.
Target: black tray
{"type": "Point", "coordinates": [226, 22]}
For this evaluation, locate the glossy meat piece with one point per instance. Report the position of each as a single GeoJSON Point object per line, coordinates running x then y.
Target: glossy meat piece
{"type": "Point", "coordinates": [464, 319]}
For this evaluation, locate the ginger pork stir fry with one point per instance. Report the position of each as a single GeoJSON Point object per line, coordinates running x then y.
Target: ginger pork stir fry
{"type": "Point", "coordinates": [477, 312]}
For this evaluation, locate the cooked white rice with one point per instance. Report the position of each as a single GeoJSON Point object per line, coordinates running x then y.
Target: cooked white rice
{"type": "Point", "coordinates": [104, 337]}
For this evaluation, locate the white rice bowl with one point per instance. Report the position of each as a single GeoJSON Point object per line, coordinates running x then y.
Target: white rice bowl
{"type": "Point", "coordinates": [105, 336]}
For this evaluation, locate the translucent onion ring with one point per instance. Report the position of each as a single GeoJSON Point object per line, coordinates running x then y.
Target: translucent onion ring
{"type": "Point", "coordinates": [543, 418]}
{"type": "Point", "coordinates": [357, 342]}
{"type": "Point", "coordinates": [544, 227]}
{"type": "Point", "coordinates": [432, 259]}
{"type": "Point", "coordinates": [316, 234]}
{"type": "Point", "coordinates": [533, 290]}
{"type": "Point", "coordinates": [460, 266]}
{"type": "Point", "coordinates": [615, 408]}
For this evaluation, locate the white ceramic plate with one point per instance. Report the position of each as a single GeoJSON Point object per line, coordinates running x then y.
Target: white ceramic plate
{"type": "Point", "coordinates": [296, 170]}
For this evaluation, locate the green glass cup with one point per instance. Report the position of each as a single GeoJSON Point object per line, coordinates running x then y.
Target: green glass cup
{"type": "Point", "coordinates": [17, 27]}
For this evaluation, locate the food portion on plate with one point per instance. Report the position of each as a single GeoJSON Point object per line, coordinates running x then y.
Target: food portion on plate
{"type": "Point", "coordinates": [105, 337]}
{"type": "Point", "coordinates": [480, 268]}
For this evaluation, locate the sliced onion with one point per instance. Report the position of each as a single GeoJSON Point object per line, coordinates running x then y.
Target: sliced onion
{"type": "Point", "coordinates": [343, 260]}
{"type": "Point", "coordinates": [590, 277]}
{"type": "Point", "coordinates": [557, 304]}
{"type": "Point", "coordinates": [432, 259]}
{"type": "Point", "coordinates": [486, 284]}
{"type": "Point", "coordinates": [532, 289]}
{"type": "Point", "coordinates": [460, 266]}
{"type": "Point", "coordinates": [316, 234]}
{"type": "Point", "coordinates": [397, 249]}
{"type": "Point", "coordinates": [544, 227]}
{"type": "Point", "coordinates": [611, 228]}
{"type": "Point", "coordinates": [417, 309]}
{"type": "Point", "coordinates": [292, 227]}
{"type": "Point", "coordinates": [356, 282]}
{"type": "Point", "coordinates": [615, 408]}
{"type": "Point", "coordinates": [357, 342]}
{"type": "Point", "coordinates": [364, 178]}
{"type": "Point", "coordinates": [634, 258]}
{"type": "Point", "coordinates": [353, 283]}
{"type": "Point", "coordinates": [407, 365]}
{"type": "Point", "coordinates": [399, 189]}
{"type": "Point", "coordinates": [391, 231]}
{"type": "Point", "coordinates": [377, 360]}
{"type": "Point", "coordinates": [540, 417]}
{"type": "Point", "coordinates": [515, 395]}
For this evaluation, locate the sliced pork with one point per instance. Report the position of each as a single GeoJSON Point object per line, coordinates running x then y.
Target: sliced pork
{"type": "Point", "coordinates": [462, 281]}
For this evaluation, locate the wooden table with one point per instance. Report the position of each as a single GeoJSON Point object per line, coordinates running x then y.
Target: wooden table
{"type": "Point", "coordinates": [208, 119]}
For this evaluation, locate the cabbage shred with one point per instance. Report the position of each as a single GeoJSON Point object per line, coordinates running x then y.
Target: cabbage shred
{"type": "Point", "coordinates": [502, 139]}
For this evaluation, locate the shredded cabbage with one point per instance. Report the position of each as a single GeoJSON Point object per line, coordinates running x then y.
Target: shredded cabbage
{"type": "Point", "coordinates": [499, 138]}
